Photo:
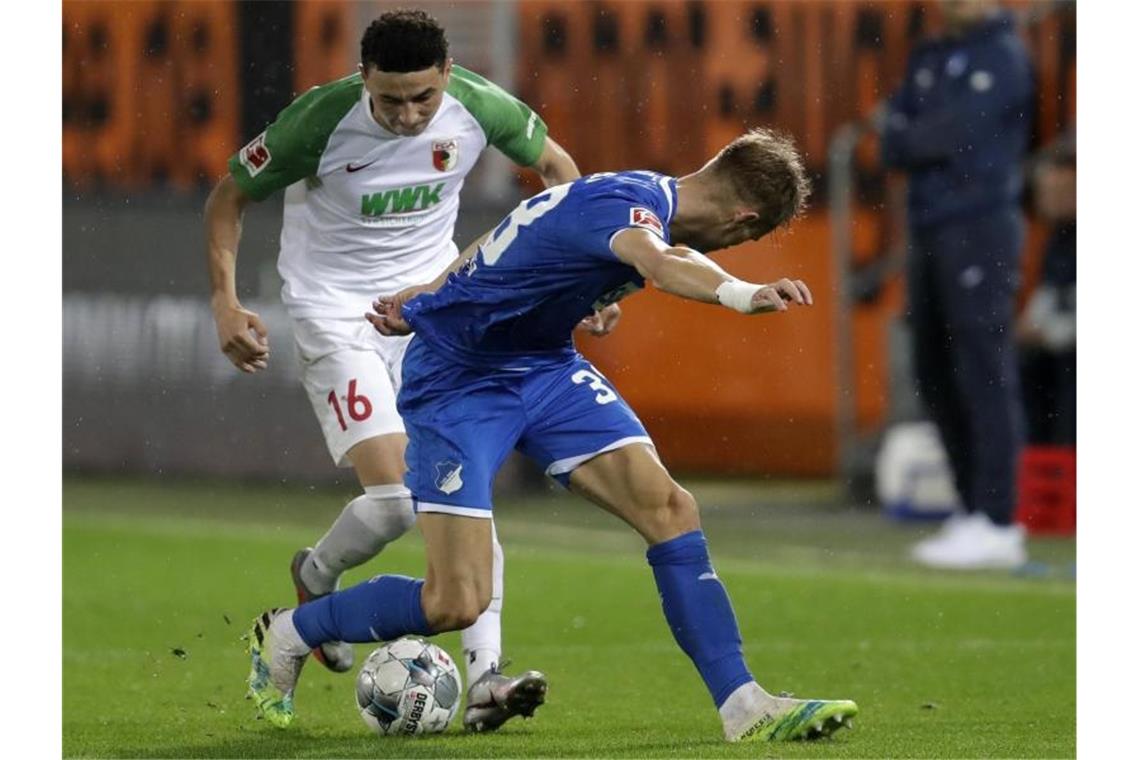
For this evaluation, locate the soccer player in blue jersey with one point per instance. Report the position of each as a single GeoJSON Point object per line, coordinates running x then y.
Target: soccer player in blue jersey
{"type": "Point", "coordinates": [493, 367]}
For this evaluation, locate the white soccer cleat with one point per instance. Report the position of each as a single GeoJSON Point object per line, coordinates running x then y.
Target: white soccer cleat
{"type": "Point", "coordinates": [788, 719]}
{"type": "Point", "coordinates": [972, 542]}
{"type": "Point", "coordinates": [273, 671]}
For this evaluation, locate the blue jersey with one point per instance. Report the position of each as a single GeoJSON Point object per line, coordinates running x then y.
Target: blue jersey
{"type": "Point", "coordinates": [546, 266]}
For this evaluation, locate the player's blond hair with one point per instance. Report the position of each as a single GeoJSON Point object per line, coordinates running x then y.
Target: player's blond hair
{"type": "Point", "coordinates": [765, 173]}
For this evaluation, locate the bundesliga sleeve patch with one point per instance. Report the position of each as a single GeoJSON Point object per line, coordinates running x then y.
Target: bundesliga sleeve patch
{"type": "Point", "coordinates": [643, 217]}
{"type": "Point", "coordinates": [255, 156]}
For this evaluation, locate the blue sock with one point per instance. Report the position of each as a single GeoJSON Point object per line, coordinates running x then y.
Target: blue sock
{"type": "Point", "coordinates": [699, 613]}
{"type": "Point", "coordinates": [383, 608]}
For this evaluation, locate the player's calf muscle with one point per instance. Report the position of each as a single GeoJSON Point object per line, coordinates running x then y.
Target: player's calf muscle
{"type": "Point", "coordinates": [458, 584]}
{"type": "Point", "coordinates": [632, 484]}
{"type": "Point", "coordinates": [663, 519]}
{"type": "Point", "coordinates": [656, 507]}
{"type": "Point", "coordinates": [456, 605]}
{"type": "Point", "coordinates": [660, 511]}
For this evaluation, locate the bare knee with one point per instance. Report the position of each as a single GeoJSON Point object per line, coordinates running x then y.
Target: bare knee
{"type": "Point", "coordinates": [454, 606]}
{"type": "Point", "coordinates": [379, 460]}
{"type": "Point", "coordinates": [668, 514]}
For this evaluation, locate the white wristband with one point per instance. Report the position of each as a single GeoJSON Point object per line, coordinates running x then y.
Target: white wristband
{"type": "Point", "coordinates": [737, 294]}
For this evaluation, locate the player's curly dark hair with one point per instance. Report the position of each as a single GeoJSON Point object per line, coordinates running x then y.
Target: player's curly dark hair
{"type": "Point", "coordinates": [766, 172]}
{"type": "Point", "coordinates": [403, 40]}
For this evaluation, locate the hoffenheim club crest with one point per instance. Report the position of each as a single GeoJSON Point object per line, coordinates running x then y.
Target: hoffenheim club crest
{"type": "Point", "coordinates": [447, 476]}
{"type": "Point", "coordinates": [444, 154]}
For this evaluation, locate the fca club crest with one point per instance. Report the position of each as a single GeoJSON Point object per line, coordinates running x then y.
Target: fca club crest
{"type": "Point", "coordinates": [444, 154]}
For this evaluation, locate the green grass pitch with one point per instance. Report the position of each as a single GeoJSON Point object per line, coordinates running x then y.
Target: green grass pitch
{"type": "Point", "coordinates": [161, 579]}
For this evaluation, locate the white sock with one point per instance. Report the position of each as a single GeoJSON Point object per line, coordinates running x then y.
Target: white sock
{"type": "Point", "coordinates": [479, 661]}
{"type": "Point", "coordinates": [743, 707]}
{"type": "Point", "coordinates": [483, 641]}
{"type": "Point", "coordinates": [365, 526]}
{"type": "Point", "coordinates": [285, 633]}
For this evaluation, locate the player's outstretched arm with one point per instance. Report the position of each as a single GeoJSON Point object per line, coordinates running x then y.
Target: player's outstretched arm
{"type": "Point", "coordinates": [554, 165]}
{"type": "Point", "coordinates": [241, 333]}
{"type": "Point", "coordinates": [387, 317]}
{"type": "Point", "coordinates": [689, 274]}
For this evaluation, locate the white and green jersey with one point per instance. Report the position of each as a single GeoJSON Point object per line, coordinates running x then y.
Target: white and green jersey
{"type": "Point", "coordinates": [367, 211]}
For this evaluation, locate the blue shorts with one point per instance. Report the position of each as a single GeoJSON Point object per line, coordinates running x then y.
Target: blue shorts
{"type": "Point", "coordinates": [462, 422]}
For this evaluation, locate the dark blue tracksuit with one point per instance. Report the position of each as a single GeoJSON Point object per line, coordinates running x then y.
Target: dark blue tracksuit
{"type": "Point", "coordinates": [959, 126]}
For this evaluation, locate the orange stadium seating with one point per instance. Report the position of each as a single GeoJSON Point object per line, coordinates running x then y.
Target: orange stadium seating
{"type": "Point", "coordinates": [325, 45]}
{"type": "Point", "coordinates": [152, 89]}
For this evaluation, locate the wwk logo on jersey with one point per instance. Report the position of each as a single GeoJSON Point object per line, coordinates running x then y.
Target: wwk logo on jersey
{"type": "Point", "coordinates": [401, 200]}
{"type": "Point", "coordinates": [444, 154]}
{"type": "Point", "coordinates": [643, 217]}
{"type": "Point", "coordinates": [255, 156]}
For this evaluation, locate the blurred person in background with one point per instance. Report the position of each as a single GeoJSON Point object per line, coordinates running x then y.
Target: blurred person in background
{"type": "Point", "coordinates": [372, 166]}
{"type": "Point", "coordinates": [1047, 329]}
{"type": "Point", "coordinates": [959, 127]}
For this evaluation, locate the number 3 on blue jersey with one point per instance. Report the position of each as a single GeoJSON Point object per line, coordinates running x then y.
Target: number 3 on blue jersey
{"type": "Point", "coordinates": [525, 213]}
{"type": "Point", "coordinates": [605, 395]}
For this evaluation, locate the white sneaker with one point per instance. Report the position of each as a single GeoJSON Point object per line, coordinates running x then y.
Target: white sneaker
{"type": "Point", "coordinates": [972, 542]}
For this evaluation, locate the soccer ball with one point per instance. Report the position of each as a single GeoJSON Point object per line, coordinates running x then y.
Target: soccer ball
{"type": "Point", "coordinates": [408, 686]}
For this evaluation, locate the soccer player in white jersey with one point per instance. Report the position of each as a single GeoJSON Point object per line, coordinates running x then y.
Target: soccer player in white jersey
{"type": "Point", "coordinates": [372, 165]}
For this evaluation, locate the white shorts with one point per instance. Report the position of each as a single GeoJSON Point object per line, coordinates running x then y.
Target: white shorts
{"type": "Point", "coordinates": [352, 376]}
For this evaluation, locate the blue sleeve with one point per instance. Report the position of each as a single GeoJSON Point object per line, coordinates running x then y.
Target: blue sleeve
{"type": "Point", "coordinates": [999, 83]}
{"type": "Point", "coordinates": [606, 208]}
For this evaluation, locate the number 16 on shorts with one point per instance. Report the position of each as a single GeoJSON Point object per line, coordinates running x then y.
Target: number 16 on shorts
{"type": "Point", "coordinates": [352, 404]}
{"type": "Point", "coordinates": [358, 405]}
{"type": "Point", "coordinates": [352, 390]}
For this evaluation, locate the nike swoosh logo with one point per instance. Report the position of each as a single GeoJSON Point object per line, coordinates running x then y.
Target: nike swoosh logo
{"type": "Point", "coordinates": [707, 577]}
{"type": "Point", "coordinates": [351, 168]}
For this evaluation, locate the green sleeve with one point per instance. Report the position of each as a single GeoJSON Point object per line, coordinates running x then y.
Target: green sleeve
{"type": "Point", "coordinates": [510, 125]}
{"type": "Point", "coordinates": [290, 148]}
